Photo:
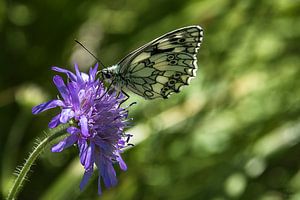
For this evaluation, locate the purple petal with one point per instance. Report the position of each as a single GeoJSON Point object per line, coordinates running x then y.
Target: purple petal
{"type": "Point", "coordinates": [47, 105]}
{"type": "Point", "coordinates": [62, 88]}
{"type": "Point", "coordinates": [74, 95]}
{"type": "Point", "coordinates": [54, 121]}
{"type": "Point", "coordinates": [69, 73]}
{"type": "Point", "coordinates": [85, 77]}
{"type": "Point", "coordinates": [107, 171]}
{"type": "Point", "coordinates": [109, 176]}
{"type": "Point", "coordinates": [82, 144]}
{"type": "Point", "coordinates": [66, 115]}
{"type": "Point", "coordinates": [93, 72]}
{"type": "Point", "coordinates": [121, 162]}
{"type": "Point", "coordinates": [88, 157]}
{"type": "Point", "coordinates": [84, 126]}
{"type": "Point", "coordinates": [87, 175]}
{"type": "Point", "coordinates": [78, 75]}
{"type": "Point", "coordinates": [121, 143]}
{"type": "Point", "coordinates": [73, 130]}
{"type": "Point", "coordinates": [65, 143]}
{"type": "Point", "coordinates": [104, 145]}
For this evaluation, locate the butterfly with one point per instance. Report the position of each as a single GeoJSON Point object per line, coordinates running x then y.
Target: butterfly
{"type": "Point", "coordinates": [160, 67]}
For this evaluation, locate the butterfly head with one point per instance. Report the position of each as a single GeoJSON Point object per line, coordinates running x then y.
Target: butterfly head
{"type": "Point", "coordinates": [108, 74]}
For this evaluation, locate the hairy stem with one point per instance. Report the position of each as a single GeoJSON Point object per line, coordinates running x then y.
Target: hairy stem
{"type": "Point", "coordinates": [38, 149]}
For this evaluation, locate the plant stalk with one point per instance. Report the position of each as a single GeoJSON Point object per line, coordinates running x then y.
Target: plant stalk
{"type": "Point", "coordinates": [51, 135]}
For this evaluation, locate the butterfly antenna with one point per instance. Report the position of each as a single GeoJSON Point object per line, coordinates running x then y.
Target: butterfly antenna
{"type": "Point", "coordinates": [98, 60]}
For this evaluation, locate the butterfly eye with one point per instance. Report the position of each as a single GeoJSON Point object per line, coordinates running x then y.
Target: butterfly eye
{"type": "Point", "coordinates": [107, 76]}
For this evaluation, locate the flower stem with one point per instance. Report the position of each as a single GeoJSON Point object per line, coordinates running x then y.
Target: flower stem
{"type": "Point", "coordinates": [51, 134]}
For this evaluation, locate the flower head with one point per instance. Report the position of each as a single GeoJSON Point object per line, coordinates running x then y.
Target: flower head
{"type": "Point", "coordinates": [100, 122]}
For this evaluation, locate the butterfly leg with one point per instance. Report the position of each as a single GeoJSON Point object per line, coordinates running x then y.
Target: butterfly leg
{"type": "Point", "coordinates": [107, 90]}
{"type": "Point", "coordinates": [125, 99]}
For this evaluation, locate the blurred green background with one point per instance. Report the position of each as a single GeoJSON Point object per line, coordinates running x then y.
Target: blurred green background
{"type": "Point", "coordinates": [234, 133]}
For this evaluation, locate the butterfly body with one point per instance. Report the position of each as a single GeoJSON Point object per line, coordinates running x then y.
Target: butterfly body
{"type": "Point", "coordinates": [160, 67]}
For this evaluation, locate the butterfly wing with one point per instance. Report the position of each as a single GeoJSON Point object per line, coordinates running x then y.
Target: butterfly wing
{"type": "Point", "coordinates": [164, 65]}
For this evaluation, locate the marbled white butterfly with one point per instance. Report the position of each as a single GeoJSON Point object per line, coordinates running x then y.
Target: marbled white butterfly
{"type": "Point", "coordinates": [160, 67]}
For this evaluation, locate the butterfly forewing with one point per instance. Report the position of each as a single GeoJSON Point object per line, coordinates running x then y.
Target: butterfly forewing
{"type": "Point", "coordinates": [164, 65]}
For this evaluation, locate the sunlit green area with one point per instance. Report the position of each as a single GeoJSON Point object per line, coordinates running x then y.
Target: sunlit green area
{"type": "Point", "coordinates": [234, 133]}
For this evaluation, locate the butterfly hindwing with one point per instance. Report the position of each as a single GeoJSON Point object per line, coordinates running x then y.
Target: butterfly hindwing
{"type": "Point", "coordinates": [164, 65]}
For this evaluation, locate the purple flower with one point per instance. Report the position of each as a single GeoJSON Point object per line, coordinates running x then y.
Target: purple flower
{"type": "Point", "coordinates": [100, 122]}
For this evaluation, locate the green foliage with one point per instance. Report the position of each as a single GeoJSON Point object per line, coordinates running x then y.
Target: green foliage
{"type": "Point", "coordinates": [232, 134]}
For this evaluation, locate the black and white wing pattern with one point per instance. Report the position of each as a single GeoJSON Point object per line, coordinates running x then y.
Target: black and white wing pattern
{"type": "Point", "coordinates": [164, 65]}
